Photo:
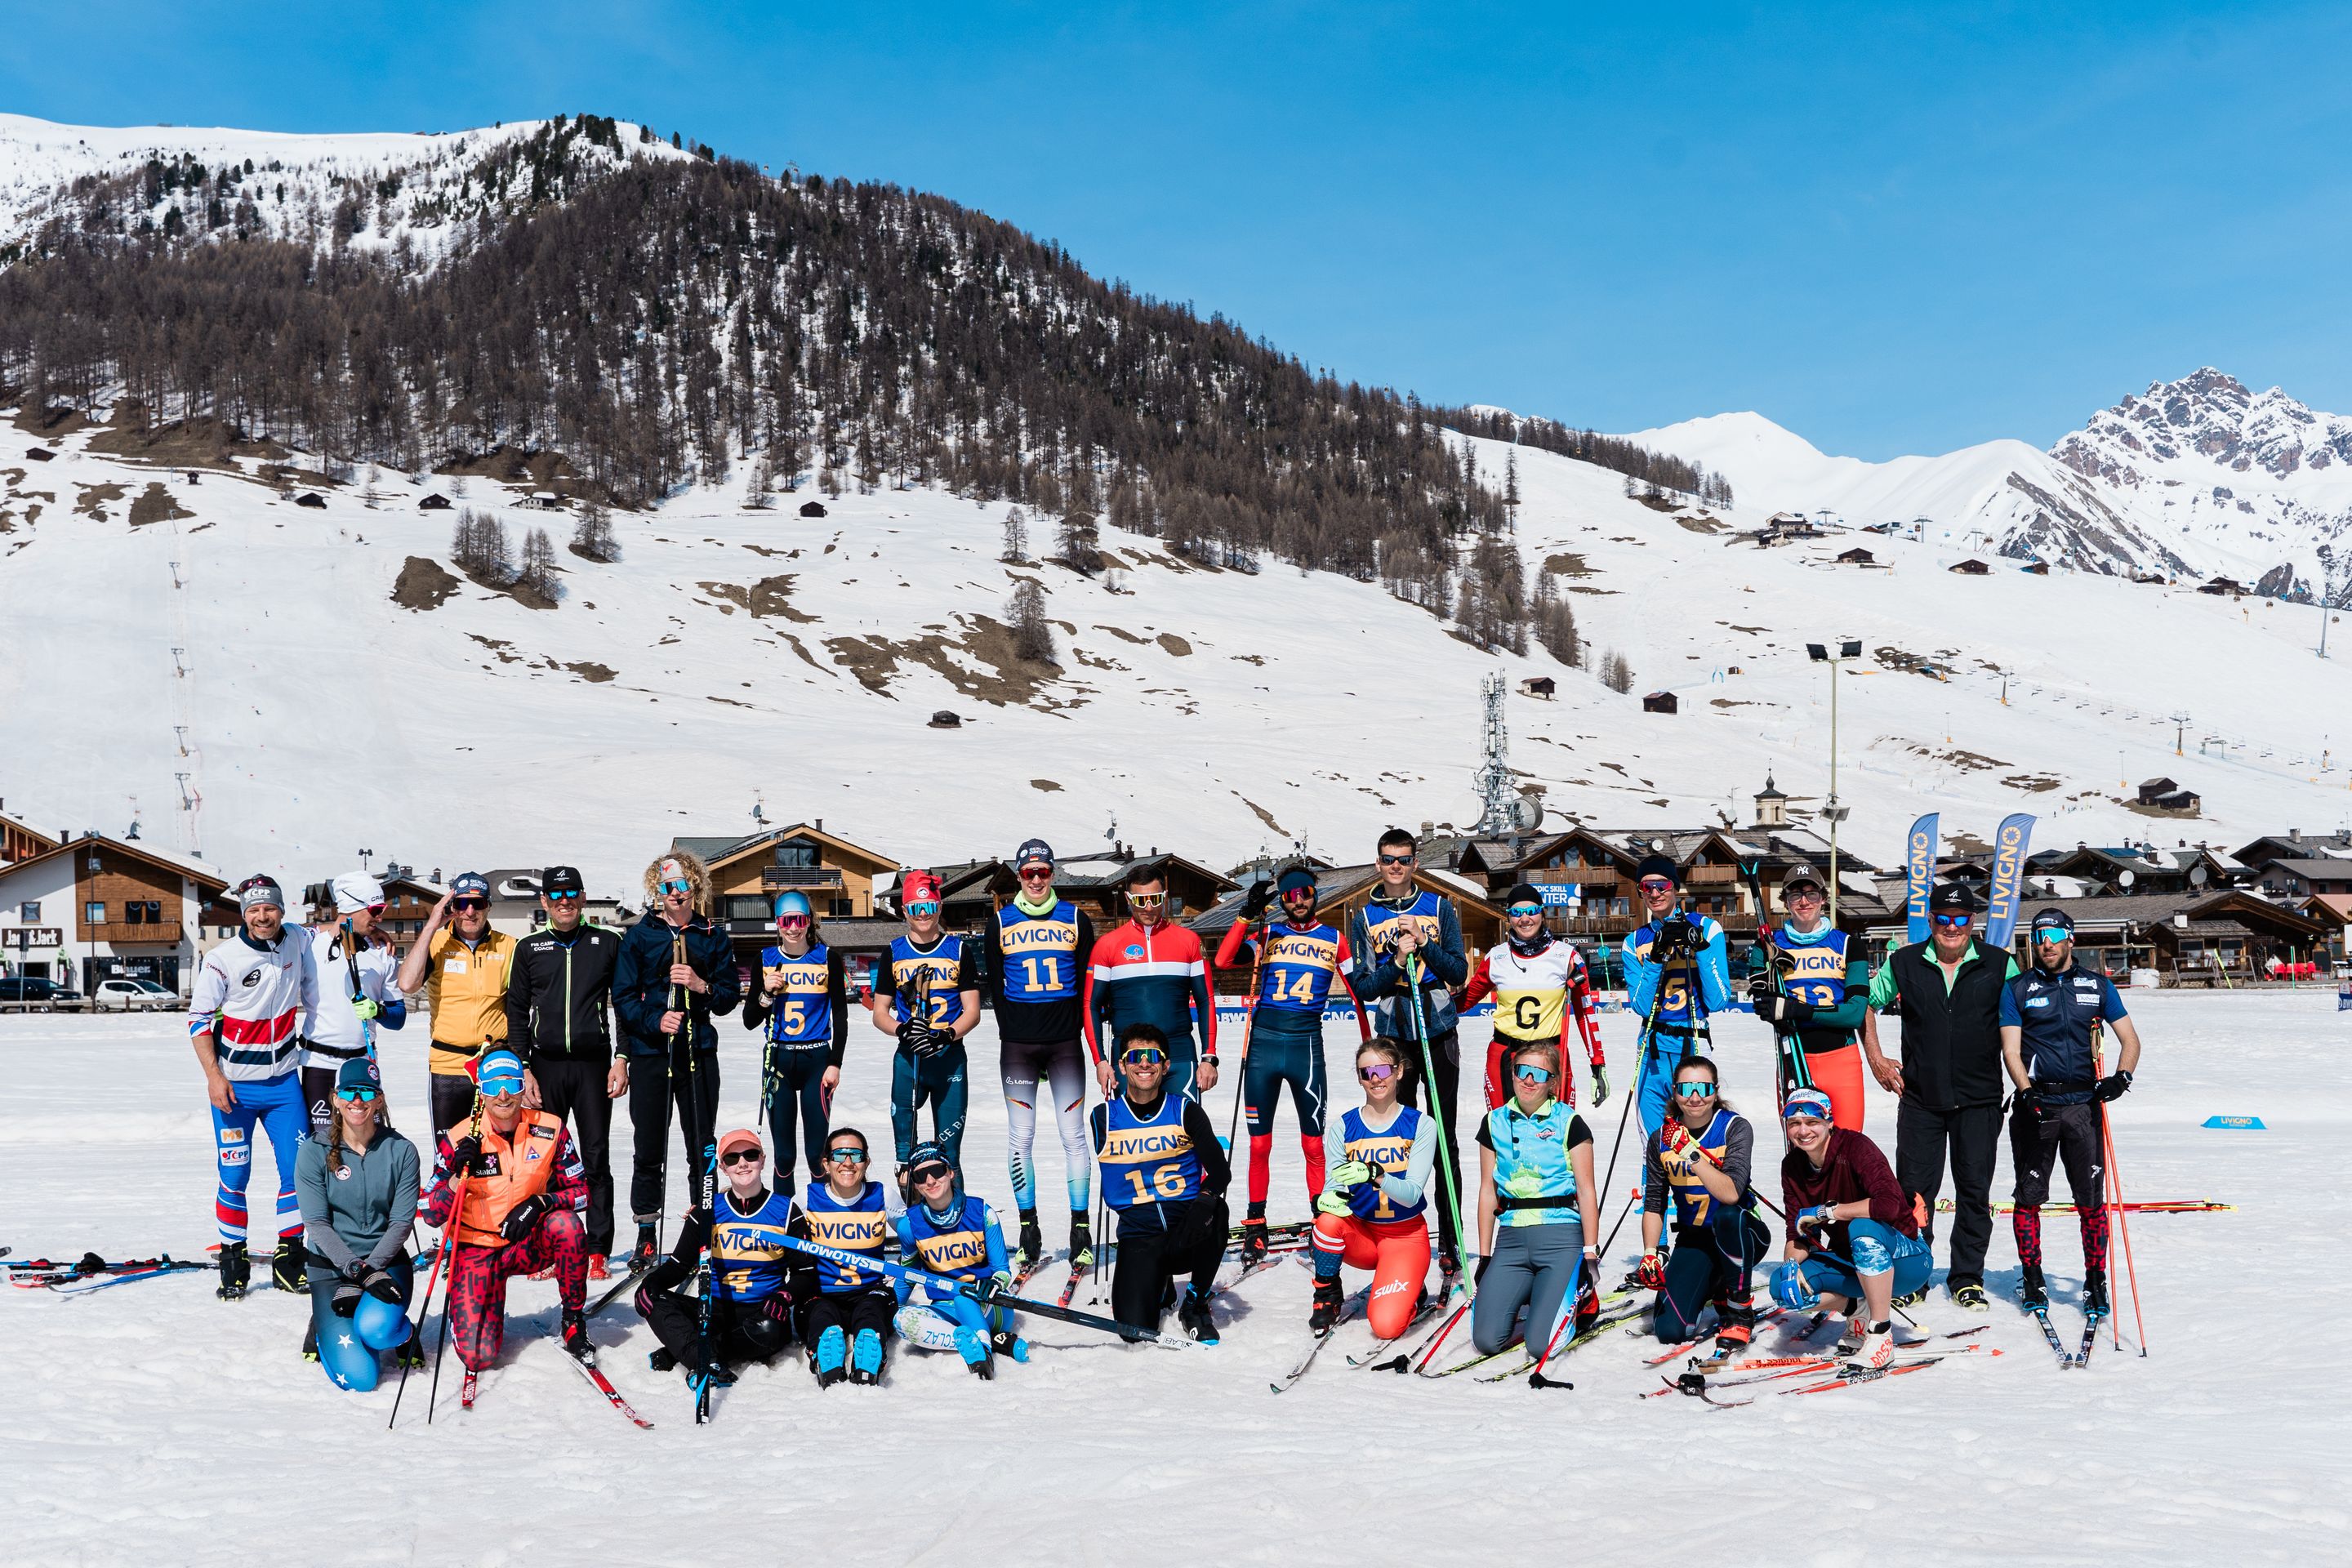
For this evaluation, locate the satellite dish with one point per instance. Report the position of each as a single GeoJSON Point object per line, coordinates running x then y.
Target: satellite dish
{"type": "Point", "coordinates": [2129, 877]}
{"type": "Point", "coordinates": [2199, 876]}
{"type": "Point", "coordinates": [1527, 814]}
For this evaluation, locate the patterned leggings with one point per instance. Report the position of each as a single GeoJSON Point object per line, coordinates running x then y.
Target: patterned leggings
{"type": "Point", "coordinates": [477, 1283]}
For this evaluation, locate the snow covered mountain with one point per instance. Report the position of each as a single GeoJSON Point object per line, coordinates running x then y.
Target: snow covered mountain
{"type": "Point", "coordinates": [2198, 478]}
{"type": "Point", "coordinates": [275, 683]}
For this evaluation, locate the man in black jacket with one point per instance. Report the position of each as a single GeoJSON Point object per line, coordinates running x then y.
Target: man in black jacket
{"type": "Point", "coordinates": [559, 1013]}
{"type": "Point", "coordinates": [666, 1006]}
{"type": "Point", "coordinates": [1952, 1079]}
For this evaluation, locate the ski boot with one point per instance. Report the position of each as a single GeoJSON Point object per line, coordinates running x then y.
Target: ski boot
{"type": "Point", "coordinates": [2032, 1293]}
{"type": "Point", "coordinates": [1736, 1329]}
{"type": "Point", "coordinates": [1850, 1342]}
{"type": "Point", "coordinates": [235, 1272]}
{"type": "Point", "coordinates": [1082, 1241]}
{"type": "Point", "coordinates": [975, 1349]}
{"type": "Point", "coordinates": [1032, 1249]}
{"type": "Point", "coordinates": [289, 1269]}
{"type": "Point", "coordinates": [575, 1338]}
{"type": "Point", "coordinates": [1971, 1298]}
{"type": "Point", "coordinates": [1449, 1269]}
{"type": "Point", "coordinates": [1254, 1236]}
{"type": "Point", "coordinates": [707, 1375]}
{"type": "Point", "coordinates": [598, 1267]}
{"type": "Point", "coordinates": [1194, 1317]}
{"type": "Point", "coordinates": [1325, 1314]}
{"type": "Point", "coordinates": [661, 1359]}
{"type": "Point", "coordinates": [1876, 1351]}
{"type": "Point", "coordinates": [411, 1355]}
{"type": "Point", "coordinates": [865, 1359]}
{"type": "Point", "coordinates": [648, 1247]}
{"type": "Point", "coordinates": [311, 1341]}
{"type": "Point", "coordinates": [828, 1359]}
{"type": "Point", "coordinates": [2095, 1293]}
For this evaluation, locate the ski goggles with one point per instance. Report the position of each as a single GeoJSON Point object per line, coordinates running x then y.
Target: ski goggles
{"type": "Point", "coordinates": [1377, 1072]}
{"type": "Point", "coordinates": [1654, 885]}
{"type": "Point", "coordinates": [1033, 870]}
{"type": "Point", "coordinates": [791, 922]}
{"type": "Point", "coordinates": [1144, 1055]}
{"type": "Point", "coordinates": [1959, 917]}
{"type": "Point", "coordinates": [469, 904]}
{"type": "Point", "coordinates": [741, 1157]}
{"type": "Point", "coordinates": [1526, 1074]}
{"type": "Point", "coordinates": [362, 1095]}
{"type": "Point", "coordinates": [2053, 933]}
{"type": "Point", "coordinates": [924, 907]}
{"type": "Point", "coordinates": [675, 888]}
{"type": "Point", "coordinates": [1146, 900]}
{"type": "Point", "coordinates": [1697, 1089]}
{"type": "Point", "coordinates": [847, 1156]}
{"type": "Point", "coordinates": [1802, 1103]}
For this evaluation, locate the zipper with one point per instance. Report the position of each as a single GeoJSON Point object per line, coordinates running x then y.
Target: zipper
{"type": "Point", "coordinates": [567, 998]}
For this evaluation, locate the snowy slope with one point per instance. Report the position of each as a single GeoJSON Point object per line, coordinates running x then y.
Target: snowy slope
{"type": "Point", "coordinates": [2198, 476]}
{"type": "Point", "coordinates": [1222, 712]}
{"type": "Point", "coordinates": [150, 1424]}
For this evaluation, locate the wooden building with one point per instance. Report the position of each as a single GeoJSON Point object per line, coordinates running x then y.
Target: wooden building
{"type": "Point", "coordinates": [100, 909]}
{"type": "Point", "coordinates": [1662, 702]}
{"type": "Point", "coordinates": [748, 873]}
{"type": "Point", "coordinates": [1340, 892]}
{"type": "Point", "coordinates": [1971, 567]}
{"type": "Point", "coordinates": [20, 840]}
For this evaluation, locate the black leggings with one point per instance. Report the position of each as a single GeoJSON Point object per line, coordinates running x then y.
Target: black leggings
{"type": "Point", "coordinates": [1158, 1242]}
{"type": "Point", "coordinates": [656, 1084]}
{"type": "Point", "coordinates": [740, 1331]}
{"type": "Point", "coordinates": [799, 1076]}
{"type": "Point", "coordinates": [1709, 1260]}
{"type": "Point", "coordinates": [850, 1312]}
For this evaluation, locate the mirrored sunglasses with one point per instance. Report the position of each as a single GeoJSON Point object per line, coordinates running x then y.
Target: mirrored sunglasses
{"type": "Point", "coordinates": [1525, 1074]}
{"type": "Point", "coordinates": [1698, 1090]}
{"type": "Point", "coordinates": [1377, 1072]}
{"type": "Point", "coordinates": [1144, 1055]}
{"type": "Point", "coordinates": [362, 1095]}
{"type": "Point", "coordinates": [1961, 919]}
{"type": "Point", "coordinates": [561, 894]}
{"type": "Point", "coordinates": [675, 888]}
{"type": "Point", "coordinates": [846, 1156]}
{"type": "Point", "coordinates": [1397, 859]}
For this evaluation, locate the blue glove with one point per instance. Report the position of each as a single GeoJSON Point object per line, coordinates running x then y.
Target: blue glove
{"type": "Point", "coordinates": [1789, 1287]}
{"type": "Point", "coordinates": [1816, 1218]}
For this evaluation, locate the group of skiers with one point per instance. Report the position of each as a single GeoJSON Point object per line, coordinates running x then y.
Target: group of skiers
{"type": "Point", "coordinates": [526, 1063]}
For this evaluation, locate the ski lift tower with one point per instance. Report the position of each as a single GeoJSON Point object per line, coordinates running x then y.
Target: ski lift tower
{"type": "Point", "coordinates": [1493, 776]}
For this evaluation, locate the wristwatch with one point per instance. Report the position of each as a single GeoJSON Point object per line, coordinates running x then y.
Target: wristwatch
{"type": "Point", "coordinates": [1211, 1059]}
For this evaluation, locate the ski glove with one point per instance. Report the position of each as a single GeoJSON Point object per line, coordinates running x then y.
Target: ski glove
{"type": "Point", "coordinates": [464, 1154]}
{"type": "Point", "coordinates": [1354, 1174]}
{"type": "Point", "coordinates": [1816, 1219]}
{"type": "Point", "coordinates": [1791, 1289]}
{"type": "Point", "coordinates": [2113, 1085]}
{"type": "Point", "coordinates": [1784, 1012]}
{"type": "Point", "coordinates": [2027, 1101]}
{"type": "Point", "coordinates": [1676, 939]}
{"type": "Point", "coordinates": [1759, 987]}
{"type": "Point", "coordinates": [524, 1217]}
{"type": "Point", "coordinates": [380, 1285]}
{"type": "Point", "coordinates": [1599, 1082]}
{"type": "Point", "coordinates": [1478, 1270]}
{"type": "Point", "coordinates": [365, 1009]}
{"type": "Point", "coordinates": [1255, 901]}
{"type": "Point", "coordinates": [346, 1299]}
{"type": "Point", "coordinates": [1650, 1274]}
{"type": "Point", "coordinates": [778, 1307]}
{"type": "Point", "coordinates": [1333, 1201]}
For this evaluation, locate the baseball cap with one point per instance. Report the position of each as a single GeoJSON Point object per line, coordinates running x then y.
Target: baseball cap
{"type": "Point", "coordinates": [499, 1072]}
{"type": "Point", "coordinates": [560, 879]}
{"type": "Point", "coordinates": [1953, 897]}
{"type": "Point", "coordinates": [469, 885]}
{"type": "Point", "coordinates": [740, 1138]}
{"type": "Point", "coordinates": [1799, 876]}
{"type": "Point", "coordinates": [1031, 852]}
{"type": "Point", "coordinates": [1806, 1103]}
{"type": "Point", "coordinates": [358, 1073]}
{"type": "Point", "coordinates": [356, 890]}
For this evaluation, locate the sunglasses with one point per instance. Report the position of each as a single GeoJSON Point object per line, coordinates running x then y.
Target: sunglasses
{"type": "Point", "coordinates": [1804, 895]}
{"type": "Point", "coordinates": [1958, 919]}
{"type": "Point", "coordinates": [792, 922]}
{"type": "Point", "coordinates": [1298, 895]}
{"type": "Point", "coordinates": [931, 1173]}
{"type": "Point", "coordinates": [924, 907]}
{"type": "Point", "coordinates": [1694, 1090]}
{"type": "Point", "coordinates": [676, 889]}
{"type": "Point", "coordinates": [741, 1157]}
{"type": "Point", "coordinates": [1532, 1075]}
{"type": "Point", "coordinates": [2053, 936]}
{"type": "Point", "coordinates": [1398, 859]}
{"type": "Point", "coordinates": [362, 1095]}
{"type": "Point", "coordinates": [469, 903]}
{"type": "Point", "coordinates": [1144, 1056]}
{"type": "Point", "coordinates": [565, 893]}
{"type": "Point", "coordinates": [1654, 885]}
{"type": "Point", "coordinates": [375, 909]}
{"type": "Point", "coordinates": [1027, 872]}
{"type": "Point", "coordinates": [1146, 900]}
{"type": "Point", "coordinates": [846, 1156]}
{"type": "Point", "coordinates": [489, 1093]}
{"type": "Point", "coordinates": [1377, 1072]}
{"type": "Point", "coordinates": [1521, 911]}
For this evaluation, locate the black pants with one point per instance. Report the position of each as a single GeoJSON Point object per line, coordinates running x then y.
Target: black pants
{"type": "Point", "coordinates": [575, 1088]}
{"type": "Point", "coordinates": [796, 1089]}
{"type": "Point", "coordinates": [1158, 1242]}
{"type": "Point", "coordinates": [849, 1310]}
{"type": "Point", "coordinates": [655, 1083]}
{"type": "Point", "coordinates": [740, 1331]}
{"type": "Point", "coordinates": [1445, 1059]}
{"type": "Point", "coordinates": [1973, 1134]}
{"type": "Point", "coordinates": [2070, 1134]}
{"type": "Point", "coordinates": [1709, 1261]}
{"type": "Point", "coordinates": [452, 1100]}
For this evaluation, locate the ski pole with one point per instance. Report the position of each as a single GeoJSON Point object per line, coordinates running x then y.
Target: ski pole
{"type": "Point", "coordinates": [981, 1295]}
{"type": "Point", "coordinates": [424, 1304]}
{"type": "Point", "coordinates": [1447, 1164]}
{"type": "Point", "coordinates": [449, 1294]}
{"type": "Point", "coordinates": [1249, 1027]}
{"type": "Point", "coordinates": [2116, 1188]}
{"type": "Point", "coordinates": [1535, 1378]}
{"type": "Point", "coordinates": [1793, 1072]}
{"type": "Point", "coordinates": [1645, 1046]}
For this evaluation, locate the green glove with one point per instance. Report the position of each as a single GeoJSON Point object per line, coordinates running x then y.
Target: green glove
{"type": "Point", "coordinates": [1333, 1201]}
{"type": "Point", "coordinates": [366, 1009]}
{"type": "Point", "coordinates": [1353, 1173]}
{"type": "Point", "coordinates": [1600, 1083]}
{"type": "Point", "coordinates": [1000, 1282]}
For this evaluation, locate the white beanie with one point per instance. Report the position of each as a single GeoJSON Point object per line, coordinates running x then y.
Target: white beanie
{"type": "Point", "coordinates": [356, 890]}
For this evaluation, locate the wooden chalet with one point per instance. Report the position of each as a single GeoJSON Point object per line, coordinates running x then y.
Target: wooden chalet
{"type": "Point", "coordinates": [2102, 868]}
{"type": "Point", "coordinates": [1662, 702]}
{"type": "Point", "coordinates": [1340, 892]}
{"type": "Point", "coordinates": [1857, 556]}
{"type": "Point", "coordinates": [2298, 880]}
{"type": "Point", "coordinates": [96, 908]}
{"type": "Point", "coordinates": [1971, 567]}
{"type": "Point", "coordinates": [2293, 843]}
{"type": "Point", "coordinates": [837, 876]}
{"type": "Point", "coordinates": [2223, 938]}
{"type": "Point", "coordinates": [970, 891]}
{"type": "Point", "coordinates": [20, 840]}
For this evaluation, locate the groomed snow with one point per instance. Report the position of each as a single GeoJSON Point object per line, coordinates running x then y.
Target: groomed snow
{"type": "Point", "coordinates": [151, 1424]}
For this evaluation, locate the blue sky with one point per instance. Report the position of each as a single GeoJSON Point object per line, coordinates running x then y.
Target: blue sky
{"type": "Point", "coordinates": [1889, 229]}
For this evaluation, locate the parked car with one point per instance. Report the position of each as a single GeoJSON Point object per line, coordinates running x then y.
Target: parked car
{"type": "Point", "coordinates": [133, 996]}
{"type": "Point", "coordinates": [40, 995]}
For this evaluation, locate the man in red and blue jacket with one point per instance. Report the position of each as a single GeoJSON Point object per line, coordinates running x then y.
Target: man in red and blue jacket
{"type": "Point", "coordinates": [1153, 971]}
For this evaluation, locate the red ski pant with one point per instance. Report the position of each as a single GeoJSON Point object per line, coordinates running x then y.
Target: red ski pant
{"type": "Point", "coordinates": [1397, 1252]}
{"type": "Point", "coordinates": [477, 1283]}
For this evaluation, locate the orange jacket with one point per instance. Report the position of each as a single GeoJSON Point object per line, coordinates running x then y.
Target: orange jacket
{"type": "Point", "coordinates": [537, 1157]}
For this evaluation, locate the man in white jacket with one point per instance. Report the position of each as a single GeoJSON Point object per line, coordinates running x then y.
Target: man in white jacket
{"type": "Point", "coordinates": [356, 993]}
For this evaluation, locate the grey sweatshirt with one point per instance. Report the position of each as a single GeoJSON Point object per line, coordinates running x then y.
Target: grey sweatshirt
{"type": "Point", "coordinates": [365, 1212]}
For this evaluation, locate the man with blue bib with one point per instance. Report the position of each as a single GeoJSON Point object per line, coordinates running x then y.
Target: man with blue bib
{"type": "Point", "coordinates": [1165, 1173]}
{"type": "Point", "coordinates": [1676, 973]}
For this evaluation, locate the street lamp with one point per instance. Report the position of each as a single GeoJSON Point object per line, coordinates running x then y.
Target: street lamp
{"type": "Point", "coordinates": [1820, 654]}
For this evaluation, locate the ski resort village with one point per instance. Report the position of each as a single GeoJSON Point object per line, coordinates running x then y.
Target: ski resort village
{"type": "Point", "coordinates": [683, 841]}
